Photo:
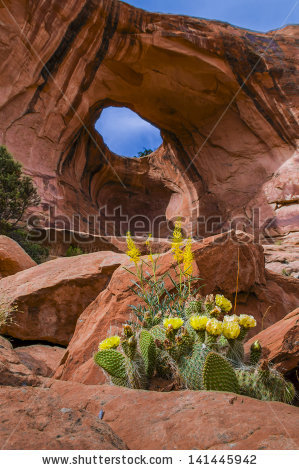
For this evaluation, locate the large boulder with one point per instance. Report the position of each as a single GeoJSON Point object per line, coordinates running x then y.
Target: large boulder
{"type": "Point", "coordinates": [41, 359]}
{"type": "Point", "coordinates": [12, 371]}
{"type": "Point", "coordinates": [283, 259]}
{"type": "Point", "coordinates": [12, 257]}
{"type": "Point", "coordinates": [51, 296]}
{"type": "Point", "coordinates": [280, 342]}
{"type": "Point", "coordinates": [37, 419]}
{"type": "Point", "coordinates": [186, 419]}
{"type": "Point", "coordinates": [216, 263]}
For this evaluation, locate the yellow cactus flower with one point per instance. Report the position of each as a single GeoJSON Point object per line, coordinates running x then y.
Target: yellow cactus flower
{"type": "Point", "coordinates": [248, 321]}
{"type": "Point", "coordinates": [175, 322]}
{"type": "Point", "coordinates": [133, 252]}
{"type": "Point", "coordinates": [223, 303]}
{"type": "Point", "coordinates": [233, 317]}
{"type": "Point", "coordinates": [188, 258]}
{"type": "Point", "coordinates": [109, 343]}
{"type": "Point", "coordinates": [214, 327]}
{"type": "Point", "coordinates": [198, 322]}
{"type": "Point", "coordinates": [231, 329]}
{"type": "Point", "coordinates": [176, 242]}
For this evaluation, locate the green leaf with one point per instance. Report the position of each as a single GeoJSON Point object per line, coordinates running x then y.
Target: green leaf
{"type": "Point", "coordinates": [112, 362]}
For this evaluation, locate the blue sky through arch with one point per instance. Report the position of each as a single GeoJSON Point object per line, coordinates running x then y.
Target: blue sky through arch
{"type": "Point", "coordinates": [126, 133]}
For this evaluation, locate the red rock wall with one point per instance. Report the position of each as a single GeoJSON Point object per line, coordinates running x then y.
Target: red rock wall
{"type": "Point", "coordinates": [225, 149]}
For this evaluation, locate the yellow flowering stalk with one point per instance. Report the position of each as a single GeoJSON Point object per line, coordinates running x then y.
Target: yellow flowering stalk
{"type": "Point", "coordinates": [133, 252]}
{"type": "Point", "coordinates": [188, 258]}
{"type": "Point", "coordinates": [149, 240]}
{"type": "Point", "coordinates": [231, 329]}
{"type": "Point", "coordinates": [109, 343]}
{"type": "Point", "coordinates": [176, 243]}
{"type": "Point", "coordinates": [176, 248]}
{"type": "Point", "coordinates": [223, 303]}
{"type": "Point", "coordinates": [175, 322]}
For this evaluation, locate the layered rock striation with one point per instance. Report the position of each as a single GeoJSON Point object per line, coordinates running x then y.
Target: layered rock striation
{"type": "Point", "coordinates": [223, 97]}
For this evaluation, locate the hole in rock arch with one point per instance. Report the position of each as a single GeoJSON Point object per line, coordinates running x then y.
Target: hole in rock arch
{"type": "Point", "coordinates": [126, 133]}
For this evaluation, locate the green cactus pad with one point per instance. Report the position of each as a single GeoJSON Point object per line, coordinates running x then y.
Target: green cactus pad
{"type": "Point", "coordinates": [129, 347]}
{"type": "Point", "coordinates": [158, 332]}
{"type": "Point", "coordinates": [190, 367]}
{"type": "Point", "coordinates": [247, 381]}
{"type": "Point", "coordinates": [218, 374]}
{"type": "Point", "coordinates": [148, 351]}
{"type": "Point", "coordinates": [267, 385]}
{"type": "Point", "coordinates": [112, 362]}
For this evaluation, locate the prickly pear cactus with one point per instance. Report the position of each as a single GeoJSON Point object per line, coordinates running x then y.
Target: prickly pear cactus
{"type": "Point", "coordinates": [200, 349]}
{"type": "Point", "coordinates": [265, 384]}
{"type": "Point", "coordinates": [131, 368]}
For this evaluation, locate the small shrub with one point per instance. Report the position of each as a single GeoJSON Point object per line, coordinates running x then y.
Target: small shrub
{"type": "Point", "coordinates": [285, 273]}
{"type": "Point", "coordinates": [144, 153]}
{"type": "Point", "coordinates": [37, 252]}
{"type": "Point", "coordinates": [73, 251]}
{"type": "Point", "coordinates": [17, 192]}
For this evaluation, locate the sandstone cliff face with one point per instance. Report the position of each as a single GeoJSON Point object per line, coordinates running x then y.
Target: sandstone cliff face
{"type": "Point", "coordinates": [226, 149]}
